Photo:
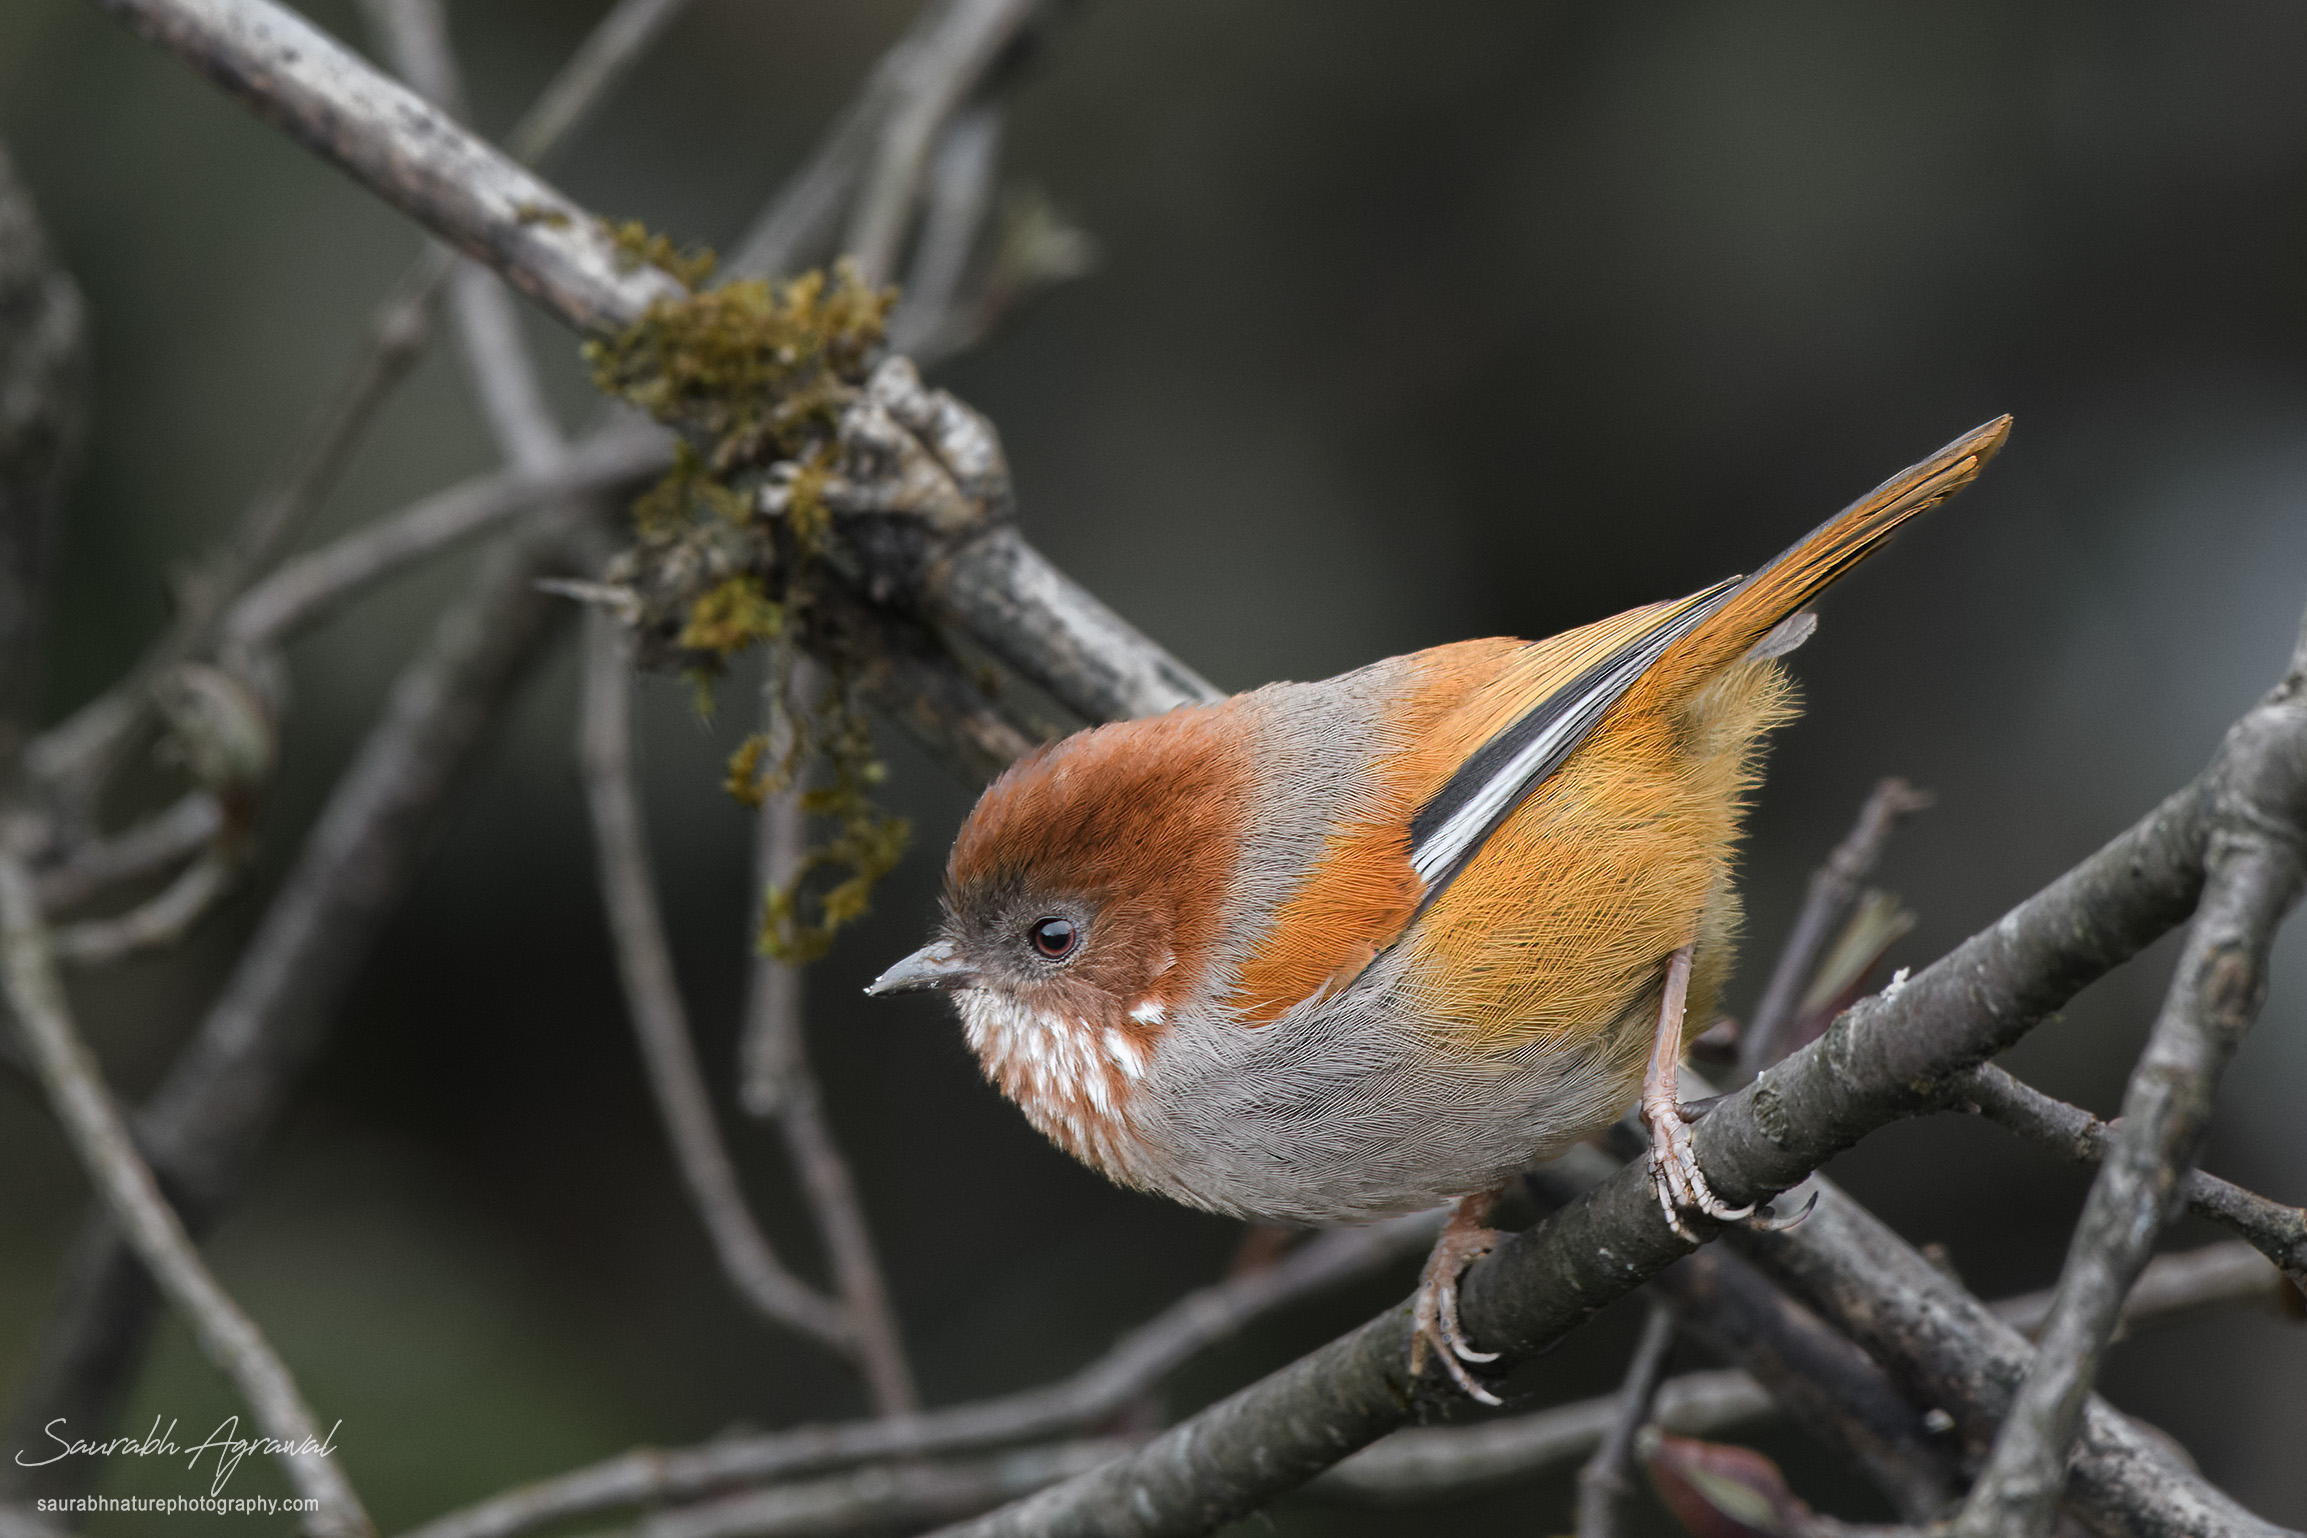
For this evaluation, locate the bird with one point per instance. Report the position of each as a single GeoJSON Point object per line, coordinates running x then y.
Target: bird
{"type": "Point", "coordinates": [1326, 953]}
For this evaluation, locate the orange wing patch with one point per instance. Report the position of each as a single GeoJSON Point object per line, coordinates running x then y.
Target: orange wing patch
{"type": "Point", "coordinates": [1356, 899]}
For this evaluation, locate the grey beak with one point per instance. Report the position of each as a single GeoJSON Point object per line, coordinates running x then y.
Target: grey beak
{"type": "Point", "coordinates": [932, 966]}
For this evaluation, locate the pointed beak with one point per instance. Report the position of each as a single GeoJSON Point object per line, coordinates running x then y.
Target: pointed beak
{"type": "Point", "coordinates": [932, 966]}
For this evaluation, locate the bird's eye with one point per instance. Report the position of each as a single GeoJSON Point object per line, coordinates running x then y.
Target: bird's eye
{"type": "Point", "coordinates": [1054, 938]}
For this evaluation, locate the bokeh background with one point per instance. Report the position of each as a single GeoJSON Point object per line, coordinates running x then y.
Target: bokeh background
{"type": "Point", "coordinates": [1414, 323]}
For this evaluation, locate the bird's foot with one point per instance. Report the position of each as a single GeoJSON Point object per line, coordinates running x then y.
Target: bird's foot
{"type": "Point", "coordinates": [1464, 1239]}
{"type": "Point", "coordinates": [1674, 1173]}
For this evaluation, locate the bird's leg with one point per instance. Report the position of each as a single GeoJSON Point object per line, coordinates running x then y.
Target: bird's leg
{"type": "Point", "coordinates": [1464, 1239]}
{"type": "Point", "coordinates": [1674, 1171]}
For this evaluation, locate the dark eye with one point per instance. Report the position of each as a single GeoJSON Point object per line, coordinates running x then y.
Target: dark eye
{"type": "Point", "coordinates": [1054, 937]}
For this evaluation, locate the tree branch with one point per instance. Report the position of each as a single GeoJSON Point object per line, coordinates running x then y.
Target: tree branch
{"type": "Point", "coordinates": [1137, 1362]}
{"type": "Point", "coordinates": [305, 588]}
{"type": "Point", "coordinates": [1602, 1482]}
{"type": "Point", "coordinates": [189, 823]}
{"type": "Point", "coordinates": [1951, 1351]}
{"type": "Point", "coordinates": [1421, 1463]}
{"type": "Point", "coordinates": [880, 1498]}
{"type": "Point", "coordinates": [392, 141]}
{"type": "Point", "coordinates": [203, 1124]}
{"type": "Point", "coordinates": [2276, 1231]}
{"type": "Point", "coordinates": [961, 177]}
{"type": "Point", "coordinates": [776, 1082]}
{"type": "Point", "coordinates": [2253, 880]}
{"type": "Point", "coordinates": [99, 1135]}
{"type": "Point", "coordinates": [939, 75]}
{"type": "Point", "coordinates": [645, 966]}
{"type": "Point", "coordinates": [1834, 889]}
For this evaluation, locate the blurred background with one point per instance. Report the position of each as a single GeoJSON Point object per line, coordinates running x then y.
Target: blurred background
{"type": "Point", "coordinates": [1412, 324]}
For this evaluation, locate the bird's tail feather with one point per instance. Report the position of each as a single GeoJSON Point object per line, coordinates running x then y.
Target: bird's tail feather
{"type": "Point", "coordinates": [1820, 558]}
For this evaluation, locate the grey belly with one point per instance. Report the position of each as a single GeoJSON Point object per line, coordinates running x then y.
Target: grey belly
{"type": "Point", "coordinates": [1346, 1115]}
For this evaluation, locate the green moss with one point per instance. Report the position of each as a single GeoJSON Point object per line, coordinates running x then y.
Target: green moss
{"type": "Point", "coordinates": [762, 371]}
{"type": "Point", "coordinates": [756, 375]}
{"type": "Point", "coordinates": [801, 917]}
{"type": "Point", "coordinates": [686, 493]}
{"type": "Point", "coordinates": [637, 247]}
{"type": "Point", "coordinates": [731, 617]}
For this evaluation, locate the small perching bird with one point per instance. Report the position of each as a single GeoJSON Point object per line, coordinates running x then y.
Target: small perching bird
{"type": "Point", "coordinates": [1329, 952]}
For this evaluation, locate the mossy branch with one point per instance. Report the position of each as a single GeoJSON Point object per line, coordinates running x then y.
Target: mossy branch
{"type": "Point", "coordinates": [757, 375]}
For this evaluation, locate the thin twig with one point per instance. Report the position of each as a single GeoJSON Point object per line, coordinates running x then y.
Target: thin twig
{"type": "Point", "coordinates": [943, 74]}
{"type": "Point", "coordinates": [2276, 1231]}
{"type": "Point", "coordinates": [305, 588]}
{"type": "Point", "coordinates": [777, 1083]}
{"type": "Point", "coordinates": [189, 823]}
{"type": "Point", "coordinates": [223, 1092]}
{"type": "Point", "coordinates": [1834, 887]}
{"type": "Point", "coordinates": [1136, 1363]}
{"type": "Point", "coordinates": [164, 919]}
{"type": "Point", "coordinates": [1826, 1384]}
{"type": "Point", "coordinates": [617, 42]}
{"type": "Point", "coordinates": [645, 966]}
{"type": "Point", "coordinates": [1602, 1482]}
{"type": "Point", "coordinates": [796, 229]}
{"type": "Point", "coordinates": [2254, 878]}
{"type": "Point", "coordinates": [74, 756]}
{"type": "Point", "coordinates": [107, 1151]}
{"type": "Point", "coordinates": [880, 1498]}
{"type": "Point", "coordinates": [962, 172]}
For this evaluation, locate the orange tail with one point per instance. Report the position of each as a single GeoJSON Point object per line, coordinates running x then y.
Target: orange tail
{"type": "Point", "coordinates": [1820, 558]}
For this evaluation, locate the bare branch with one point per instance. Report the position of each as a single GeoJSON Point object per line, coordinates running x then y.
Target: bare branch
{"type": "Point", "coordinates": [1834, 889]}
{"type": "Point", "coordinates": [190, 822]}
{"type": "Point", "coordinates": [1953, 1352]}
{"type": "Point", "coordinates": [409, 152]}
{"type": "Point", "coordinates": [305, 588]}
{"type": "Point", "coordinates": [1424, 1462]}
{"type": "Point", "coordinates": [991, 582]}
{"type": "Point", "coordinates": [961, 179]}
{"type": "Point", "coordinates": [938, 75]}
{"type": "Point", "coordinates": [1137, 1362]}
{"type": "Point", "coordinates": [163, 920]}
{"type": "Point", "coordinates": [107, 1151]}
{"type": "Point", "coordinates": [1602, 1482]}
{"type": "Point", "coordinates": [203, 1124]}
{"type": "Point", "coordinates": [602, 61]}
{"type": "Point", "coordinates": [645, 965]}
{"type": "Point", "coordinates": [2254, 879]}
{"type": "Point", "coordinates": [2276, 1231]}
{"type": "Point", "coordinates": [777, 1083]}
{"type": "Point", "coordinates": [1828, 1385]}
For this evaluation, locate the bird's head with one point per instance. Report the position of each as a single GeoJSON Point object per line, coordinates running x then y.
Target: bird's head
{"type": "Point", "coordinates": [1087, 888]}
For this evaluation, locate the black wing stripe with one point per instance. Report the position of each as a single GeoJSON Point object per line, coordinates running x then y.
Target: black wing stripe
{"type": "Point", "coordinates": [1452, 827]}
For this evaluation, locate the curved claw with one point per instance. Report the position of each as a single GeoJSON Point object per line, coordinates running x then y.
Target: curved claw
{"type": "Point", "coordinates": [1434, 1315]}
{"type": "Point", "coordinates": [1676, 1178]}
